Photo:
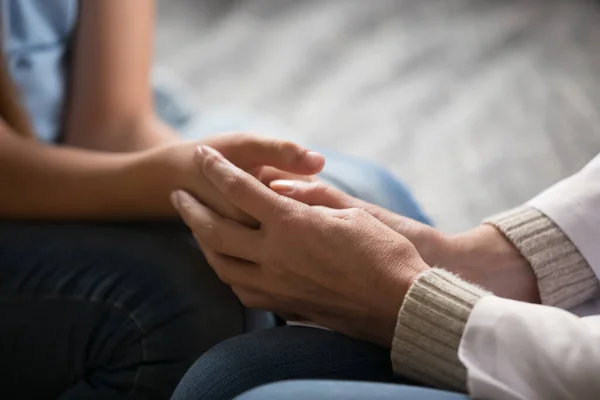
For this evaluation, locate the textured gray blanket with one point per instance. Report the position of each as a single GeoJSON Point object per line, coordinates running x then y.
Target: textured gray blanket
{"type": "Point", "coordinates": [476, 104]}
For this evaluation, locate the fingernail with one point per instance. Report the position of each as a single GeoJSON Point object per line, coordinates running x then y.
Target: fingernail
{"type": "Point", "coordinates": [211, 151]}
{"type": "Point", "coordinates": [199, 155]}
{"type": "Point", "coordinates": [203, 151]}
{"type": "Point", "coordinates": [313, 160]}
{"type": "Point", "coordinates": [175, 199]}
{"type": "Point", "coordinates": [221, 161]}
{"type": "Point", "coordinates": [284, 186]}
{"type": "Point", "coordinates": [179, 198]}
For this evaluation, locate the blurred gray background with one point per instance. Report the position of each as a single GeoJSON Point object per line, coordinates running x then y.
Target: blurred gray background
{"type": "Point", "coordinates": [476, 104]}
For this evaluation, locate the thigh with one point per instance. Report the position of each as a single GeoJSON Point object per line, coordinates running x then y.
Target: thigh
{"type": "Point", "coordinates": [105, 310]}
{"type": "Point", "coordinates": [257, 358]}
{"type": "Point", "coordinates": [330, 390]}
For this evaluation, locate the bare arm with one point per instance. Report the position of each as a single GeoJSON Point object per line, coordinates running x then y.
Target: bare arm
{"type": "Point", "coordinates": [110, 102]}
{"type": "Point", "coordinates": [110, 110]}
{"type": "Point", "coordinates": [40, 181]}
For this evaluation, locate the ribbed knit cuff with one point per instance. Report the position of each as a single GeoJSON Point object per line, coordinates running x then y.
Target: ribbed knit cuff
{"type": "Point", "coordinates": [564, 277]}
{"type": "Point", "coordinates": [430, 327]}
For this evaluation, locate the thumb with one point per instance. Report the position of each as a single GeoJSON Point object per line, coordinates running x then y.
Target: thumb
{"type": "Point", "coordinates": [313, 193]}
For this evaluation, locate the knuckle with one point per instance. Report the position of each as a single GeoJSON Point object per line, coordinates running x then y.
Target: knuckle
{"type": "Point", "coordinates": [210, 235]}
{"type": "Point", "coordinates": [323, 189]}
{"type": "Point", "coordinates": [358, 213]}
{"type": "Point", "coordinates": [290, 150]}
{"type": "Point", "coordinates": [287, 146]}
{"type": "Point", "coordinates": [331, 195]}
{"type": "Point", "coordinates": [232, 185]}
{"type": "Point", "coordinates": [210, 160]}
{"type": "Point", "coordinates": [291, 220]}
{"type": "Point", "coordinates": [376, 211]}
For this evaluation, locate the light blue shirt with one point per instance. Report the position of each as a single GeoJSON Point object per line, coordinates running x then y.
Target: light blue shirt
{"type": "Point", "coordinates": [36, 35]}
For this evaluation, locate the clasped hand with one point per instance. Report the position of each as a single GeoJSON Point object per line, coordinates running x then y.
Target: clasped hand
{"type": "Point", "coordinates": [341, 268]}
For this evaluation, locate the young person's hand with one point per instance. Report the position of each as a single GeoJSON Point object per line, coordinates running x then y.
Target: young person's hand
{"type": "Point", "coordinates": [265, 158]}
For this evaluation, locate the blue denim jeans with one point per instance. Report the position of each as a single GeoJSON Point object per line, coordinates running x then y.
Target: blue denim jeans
{"type": "Point", "coordinates": [336, 390]}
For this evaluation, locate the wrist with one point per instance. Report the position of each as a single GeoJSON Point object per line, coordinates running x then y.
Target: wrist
{"type": "Point", "coordinates": [156, 173]}
{"type": "Point", "coordinates": [393, 291]}
{"type": "Point", "coordinates": [483, 245]}
{"type": "Point", "coordinates": [484, 256]}
{"type": "Point", "coordinates": [173, 167]}
{"type": "Point", "coordinates": [430, 328]}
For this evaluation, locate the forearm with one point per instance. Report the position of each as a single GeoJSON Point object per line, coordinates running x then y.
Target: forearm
{"type": "Point", "coordinates": [118, 134]}
{"type": "Point", "coordinates": [39, 181]}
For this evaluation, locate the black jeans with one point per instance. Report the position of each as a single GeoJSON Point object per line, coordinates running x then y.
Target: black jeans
{"type": "Point", "coordinates": [290, 352]}
{"type": "Point", "coordinates": [105, 311]}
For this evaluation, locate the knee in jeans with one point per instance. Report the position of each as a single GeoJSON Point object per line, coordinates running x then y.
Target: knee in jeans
{"type": "Point", "coordinates": [168, 327]}
{"type": "Point", "coordinates": [221, 373]}
{"type": "Point", "coordinates": [170, 317]}
{"type": "Point", "coordinates": [261, 357]}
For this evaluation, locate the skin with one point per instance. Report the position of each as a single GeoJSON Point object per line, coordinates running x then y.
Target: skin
{"type": "Point", "coordinates": [329, 258]}
{"type": "Point", "coordinates": [117, 160]}
{"type": "Point", "coordinates": [482, 255]}
{"type": "Point", "coordinates": [110, 99]}
{"type": "Point", "coordinates": [343, 269]}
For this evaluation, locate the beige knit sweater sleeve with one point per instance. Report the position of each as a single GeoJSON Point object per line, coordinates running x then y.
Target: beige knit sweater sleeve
{"type": "Point", "coordinates": [437, 307]}
{"type": "Point", "coordinates": [565, 279]}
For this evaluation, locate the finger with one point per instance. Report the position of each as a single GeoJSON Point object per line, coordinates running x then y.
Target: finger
{"type": "Point", "coordinates": [332, 212]}
{"type": "Point", "coordinates": [220, 234]}
{"type": "Point", "coordinates": [284, 155]}
{"type": "Point", "coordinates": [313, 193]}
{"type": "Point", "coordinates": [240, 188]}
{"type": "Point", "coordinates": [269, 174]}
{"type": "Point", "coordinates": [254, 150]}
{"type": "Point", "coordinates": [233, 271]}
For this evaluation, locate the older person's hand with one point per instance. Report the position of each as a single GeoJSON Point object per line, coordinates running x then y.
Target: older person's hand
{"type": "Point", "coordinates": [433, 246]}
{"type": "Point", "coordinates": [342, 269]}
{"type": "Point", "coordinates": [482, 255]}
